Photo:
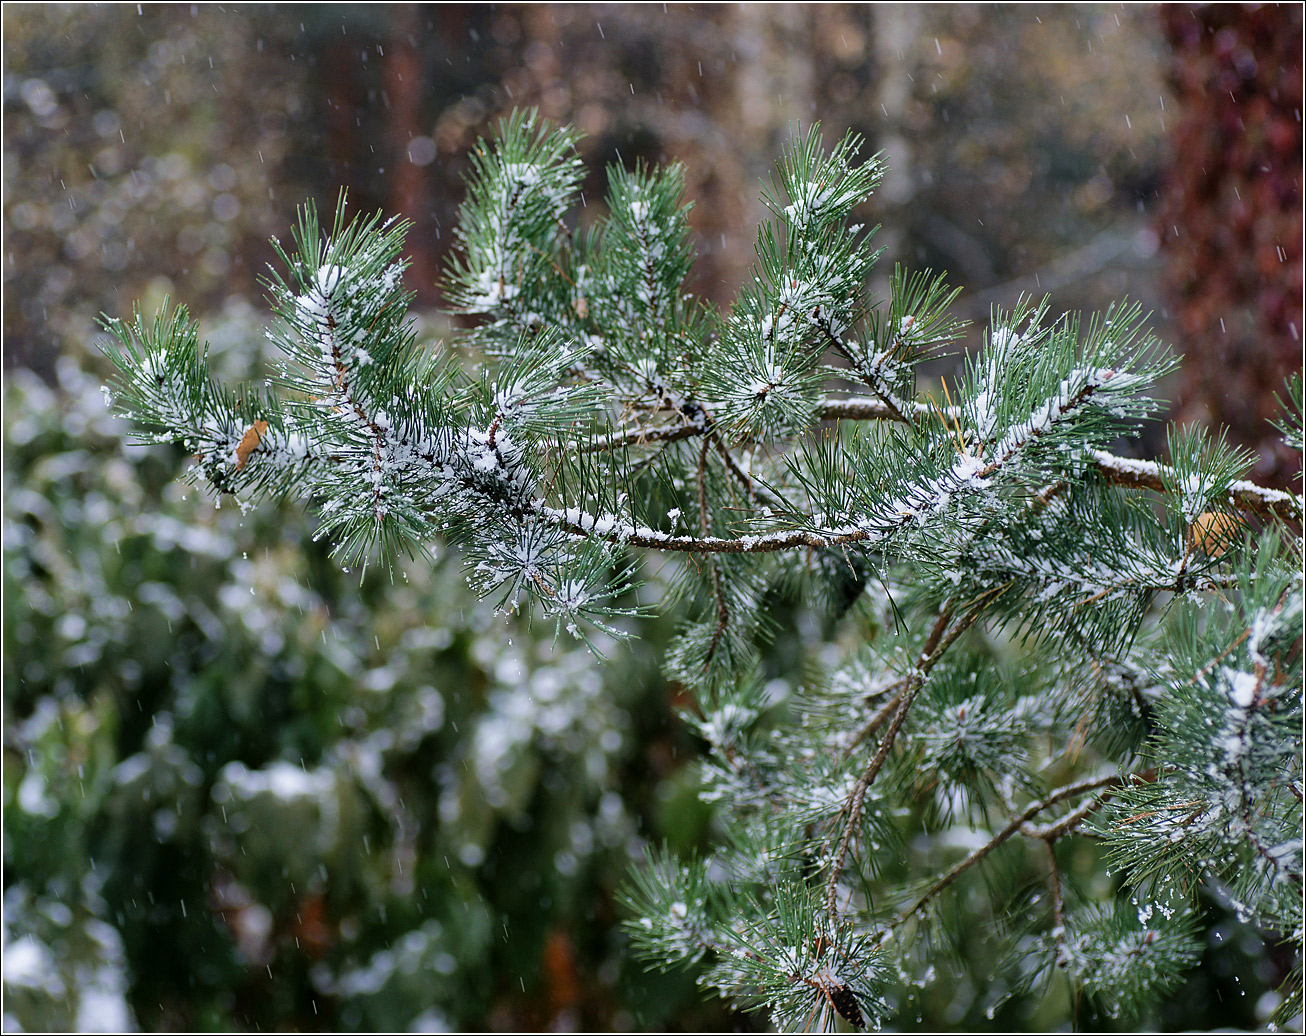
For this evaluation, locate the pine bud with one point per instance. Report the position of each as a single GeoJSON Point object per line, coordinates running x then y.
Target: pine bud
{"type": "Point", "coordinates": [1213, 533]}
{"type": "Point", "coordinates": [249, 442]}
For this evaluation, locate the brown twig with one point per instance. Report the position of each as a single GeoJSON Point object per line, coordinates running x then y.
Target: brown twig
{"type": "Point", "coordinates": [722, 612]}
{"type": "Point", "coordinates": [1119, 471]}
{"type": "Point", "coordinates": [1012, 827]}
{"type": "Point", "coordinates": [1058, 905]}
{"type": "Point", "coordinates": [1149, 474]}
{"type": "Point", "coordinates": [941, 637]}
{"type": "Point", "coordinates": [876, 721]}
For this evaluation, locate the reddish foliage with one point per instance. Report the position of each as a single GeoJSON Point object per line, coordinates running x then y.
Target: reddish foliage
{"type": "Point", "coordinates": [1231, 216]}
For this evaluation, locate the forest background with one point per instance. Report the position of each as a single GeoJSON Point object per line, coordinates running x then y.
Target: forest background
{"type": "Point", "coordinates": [242, 791]}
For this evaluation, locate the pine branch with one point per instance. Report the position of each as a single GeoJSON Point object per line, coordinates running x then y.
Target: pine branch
{"type": "Point", "coordinates": [1013, 826]}
{"type": "Point", "coordinates": [942, 636]}
{"type": "Point", "coordinates": [601, 407]}
{"type": "Point", "coordinates": [1058, 904]}
{"type": "Point", "coordinates": [1149, 474]}
{"type": "Point", "coordinates": [1119, 471]}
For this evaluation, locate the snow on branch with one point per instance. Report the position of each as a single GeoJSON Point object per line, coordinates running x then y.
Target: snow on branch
{"type": "Point", "coordinates": [602, 412]}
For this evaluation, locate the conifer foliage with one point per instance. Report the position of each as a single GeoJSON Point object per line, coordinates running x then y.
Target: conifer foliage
{"type": "Point", "coordinates": [1037, 645]}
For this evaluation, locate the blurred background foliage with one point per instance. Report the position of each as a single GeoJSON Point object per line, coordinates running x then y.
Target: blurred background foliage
{"type": "Point", "coordinates": [242, 790]}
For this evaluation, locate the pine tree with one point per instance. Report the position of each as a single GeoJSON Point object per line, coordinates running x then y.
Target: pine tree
{"type": "Point", "coordinates": [1062, 691]}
